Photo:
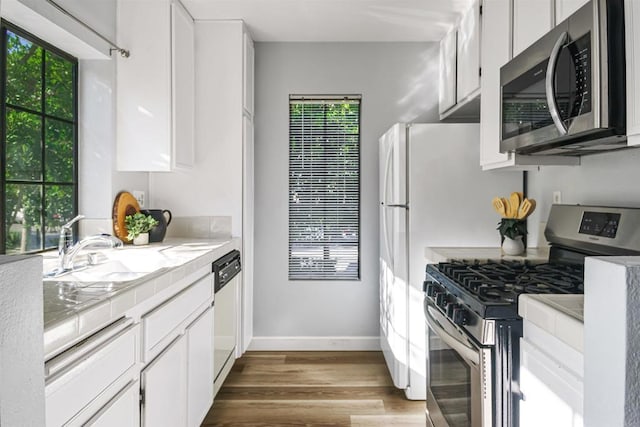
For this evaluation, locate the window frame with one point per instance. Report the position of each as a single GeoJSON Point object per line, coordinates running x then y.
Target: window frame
{"type": "Point", "coordinates": [320, 99]}
{"type": "Point", "coordinates": [42, 116]}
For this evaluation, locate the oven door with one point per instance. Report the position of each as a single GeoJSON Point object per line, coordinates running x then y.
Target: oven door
{"type": "Point", "coordinates": [460, 389]}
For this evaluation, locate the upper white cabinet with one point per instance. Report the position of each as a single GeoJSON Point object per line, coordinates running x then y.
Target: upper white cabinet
{"type": "Point", "coordinates": [447, 92]}
{"type": "Point", "coordinates": [155, 86]}
{"type": "Point", "coordinates": [460, 67]}
{"type": "Point", "coordinates": [496, 51]}
{"type": "Point", "coordinates": [531, 20]}
{"type": "Point", "coordinates": [247, 73]}
{"type": "Point", "coordinates": [564, 8]}
{"type": "Point", "coordinates": [468, 49]}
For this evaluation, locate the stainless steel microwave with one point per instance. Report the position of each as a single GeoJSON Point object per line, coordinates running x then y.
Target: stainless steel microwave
{"type": "Point", "coordinates": [566, 93]}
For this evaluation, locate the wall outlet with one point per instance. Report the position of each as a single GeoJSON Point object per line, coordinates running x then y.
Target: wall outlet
{"type": "Point", "coordinates": [140, 196]}
{"type": "Point", "coordinates": [557, 197]}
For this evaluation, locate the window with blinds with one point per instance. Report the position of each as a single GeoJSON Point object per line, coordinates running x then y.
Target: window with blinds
{"type": "Point", "coordinates": [324, 188]}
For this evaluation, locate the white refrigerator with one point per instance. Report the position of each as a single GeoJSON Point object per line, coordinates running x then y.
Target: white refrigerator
{"type": "Point", "coordinates": [433, 193]}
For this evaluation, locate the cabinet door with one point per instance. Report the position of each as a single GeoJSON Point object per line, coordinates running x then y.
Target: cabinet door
{"type": "Point", "coordinates": [143, 124]}
{"type": "Point", "coordinates": [468, 53]}
{"type": "Point", "coordinates": [164, 383]}
{"type": "Point", "coordinates": [246, 299]}
{"type": "Point", "coordinates": [200, 368]}
{"type": "Point", "coordinates": [447, 93]}
{"type": "Point", "coordinates": [122, 411]}
{"type": "Point", "coordinates": [632, 41]}
{"type": "Point", "coordinates": [248, 74]}
{"type": "Point", "coordinates": [531, 20]}
{"type": "Point", "coordinates": [564, 8]}
{"type": "Point", "coordinates": [183, 86]}
{"type": "Point", "coordinates": [496, 52]}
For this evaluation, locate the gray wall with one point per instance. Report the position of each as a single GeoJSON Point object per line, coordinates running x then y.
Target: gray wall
{"type": "Point", "coordinates": [398, 82]}
{"type": "Point", "coordinates": [604, 179]}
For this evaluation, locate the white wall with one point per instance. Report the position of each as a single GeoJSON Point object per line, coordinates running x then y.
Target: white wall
{"type": "Point", "coordinates": [609, 179]}
{"type": "Point", "coordinates": [398, 82]}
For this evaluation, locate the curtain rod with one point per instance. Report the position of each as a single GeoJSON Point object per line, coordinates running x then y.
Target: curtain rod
{"type": "Point", "coordinates": [114, 47]}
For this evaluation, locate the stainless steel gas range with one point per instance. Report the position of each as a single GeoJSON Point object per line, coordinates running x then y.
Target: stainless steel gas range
{"type": "Point", "coordinates": [471, 310]}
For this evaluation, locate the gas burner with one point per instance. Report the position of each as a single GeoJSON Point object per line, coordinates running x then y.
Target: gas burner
{"type": "Point", "coordinates": [501, 282]}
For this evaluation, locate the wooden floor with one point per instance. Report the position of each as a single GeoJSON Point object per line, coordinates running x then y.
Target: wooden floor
{"type": "Point", "coordinates": [312, 389]}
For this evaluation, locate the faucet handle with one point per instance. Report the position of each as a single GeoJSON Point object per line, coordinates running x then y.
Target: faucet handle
{"type": "Point", "coordinates": [73, 221]}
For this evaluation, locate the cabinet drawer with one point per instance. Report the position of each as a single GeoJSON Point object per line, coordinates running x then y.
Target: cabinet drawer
{"type": "Point", "coordinates": [83, 373]}
{"type": "Point", "coordinates": [164, 323]}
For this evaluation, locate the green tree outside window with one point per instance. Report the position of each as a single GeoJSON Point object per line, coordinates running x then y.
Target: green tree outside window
{"type": "Point", "coordinates": [39, 139]}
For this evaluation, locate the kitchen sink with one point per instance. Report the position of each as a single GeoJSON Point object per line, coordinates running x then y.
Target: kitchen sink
{"type": "Point", "coordinates": [112, 266]}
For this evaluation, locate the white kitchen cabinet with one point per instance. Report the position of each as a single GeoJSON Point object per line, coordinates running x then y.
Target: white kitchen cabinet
{"type": "Point", "coordinates": [447, 92]}
{"type": "Point", "coordinates": [531, 20]}
{"type": "Point", "coordinates": [164, 387]}
{"type": "Point", "coordinates": [122, 411]}
{"type": "Point", "coordinates": [632, 45]}
{"type": "Point", "coordinates": [155, 86]}
{"type": "Point", "coordinates": [248, 75]}
{"type": "Point", "coordinates": [84, 378]}
{"type": "Point", "coordinates": [199, 368]}
{"type": "Point", "coordinates": [246, 311]}
{"type": "Point", "coordinates": [460, 68]}
{"type": "Point", "coordinates": [468, 53]}
{"type": "Point", "coordinates": [496, 51]}
{"type": "Point", "coordinates": [564, 8]}
{"type": "Point", "coordinates": [166, 322]}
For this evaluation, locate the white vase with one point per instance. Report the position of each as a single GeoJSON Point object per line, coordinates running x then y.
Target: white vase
{"type": "Point", "coordinates": [141, 239]}
{"type": "Point", "coordinates": [513, 246]}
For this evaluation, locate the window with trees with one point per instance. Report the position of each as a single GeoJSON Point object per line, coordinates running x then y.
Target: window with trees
{"type": "Point", "coordinates": [39, 129]}
{"type": "Point", "coordinates": [324, 188]}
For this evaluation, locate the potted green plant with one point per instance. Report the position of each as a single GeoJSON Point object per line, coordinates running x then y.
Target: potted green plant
{"type": "Point", "coordinates": [512, 230]}
{"type": "Point", "coordinates": [138, 226]}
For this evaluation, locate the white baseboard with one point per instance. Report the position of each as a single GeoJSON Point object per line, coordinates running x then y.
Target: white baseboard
{"type": "Point", "coordinates": [315, 344]}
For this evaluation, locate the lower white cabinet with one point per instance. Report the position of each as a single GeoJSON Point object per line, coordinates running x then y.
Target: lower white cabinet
{"type": "Point", "coordinates": [164, 387]}
{"type": "Point", "coordinates": [84, 378]}
{"type": "Point", "coordinates": [177, 386]}
{"type": "Point", "coordinates": [158, 372]}
{"type": "Point", "coordinates": [199, 368]}
{"type": "Point", "coordinates": [122, 411]}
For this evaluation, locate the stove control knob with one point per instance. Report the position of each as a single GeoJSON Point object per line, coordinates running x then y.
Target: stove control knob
{"type": "Point", "coordinates": [432, 289]}
{"type": "Point", "coordinates": [451, 309]}
{"type": "Point", "coordinates": [441, 299]}
{"type": "Point", "coordinates": [459, 316]}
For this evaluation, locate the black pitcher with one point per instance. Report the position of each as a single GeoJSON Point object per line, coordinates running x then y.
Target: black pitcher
{"type": "Point", "coordinates": [163, 216]}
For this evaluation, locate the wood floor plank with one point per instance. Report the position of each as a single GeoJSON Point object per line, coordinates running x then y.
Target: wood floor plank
{"type": "Point", "coordinates": [388, 420]}
{"type": "Point", "coordinates": [288, 375]}
{"type": "Point", "coordinates": [327, 389]}
{"type": "Point", "coordinates": [284, 411]}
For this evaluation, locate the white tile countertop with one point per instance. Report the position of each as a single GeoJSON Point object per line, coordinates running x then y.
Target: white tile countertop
{"type": "Point", "coordinates": [74, 310]}
{"type": "Point", "coordinates": [444, 254]}
{"type": "Point", "coordinates": [560, 315]}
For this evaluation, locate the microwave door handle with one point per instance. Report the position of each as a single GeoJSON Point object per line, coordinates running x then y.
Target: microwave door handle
{"type": "Point", "coordinates": [468, 353]}
{"type": "Point", "coordinates": [549, 86]}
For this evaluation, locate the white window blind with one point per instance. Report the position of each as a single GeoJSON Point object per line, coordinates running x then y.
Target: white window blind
{"type": "Point", "coordinates": [324, 188]}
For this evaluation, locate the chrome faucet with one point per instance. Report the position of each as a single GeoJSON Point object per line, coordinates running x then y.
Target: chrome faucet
{"type": "Point", "coordinates": [96, 241]}
{"type": "Point", "coordinates": [65, 240]}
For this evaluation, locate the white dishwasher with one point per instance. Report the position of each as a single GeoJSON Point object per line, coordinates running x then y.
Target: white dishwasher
{"type": "Point", "coordinates": [226, 271]}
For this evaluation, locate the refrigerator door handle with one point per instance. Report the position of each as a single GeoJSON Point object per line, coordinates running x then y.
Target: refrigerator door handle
{"type": "Point", "coordinates": [387, 166]}
{"type": "Point", "coordinates": [385, 233]}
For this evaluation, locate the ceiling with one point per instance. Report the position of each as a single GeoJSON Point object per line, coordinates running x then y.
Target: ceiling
{"type": "Point", "coordinates": [336, 20]}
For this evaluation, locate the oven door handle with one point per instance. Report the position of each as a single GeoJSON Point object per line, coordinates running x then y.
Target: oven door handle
{"type": "Point", "coordinates": [550, 86]}
{"type": "Point", "coordinates": [470, 354]}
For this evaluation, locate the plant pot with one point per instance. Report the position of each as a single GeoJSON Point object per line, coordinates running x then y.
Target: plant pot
{"type": "Point", "coordinates": [141, 239]}
{"type": "Point", "coordinates": [513, 246]}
